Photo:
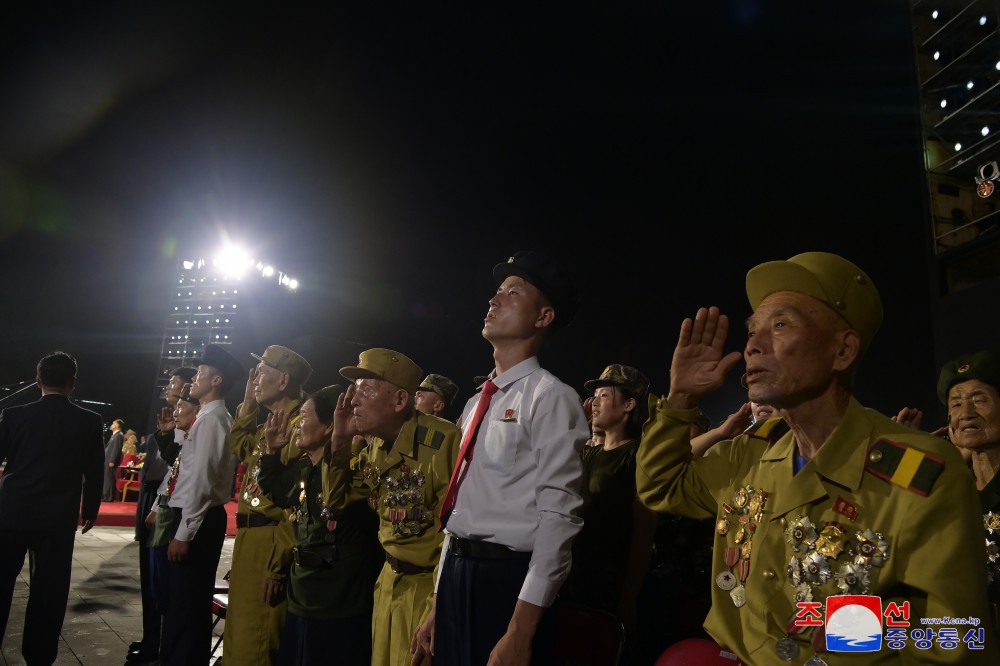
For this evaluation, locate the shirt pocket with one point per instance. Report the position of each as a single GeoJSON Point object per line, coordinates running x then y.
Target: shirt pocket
{"type": "Point", "coordinates": [500, 448]}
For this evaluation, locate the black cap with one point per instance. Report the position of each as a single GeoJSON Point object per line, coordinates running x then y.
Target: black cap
{"type": "Point", "coordinates": [223, 361]}
{"type": "Point", "coordinates": [548, 277]}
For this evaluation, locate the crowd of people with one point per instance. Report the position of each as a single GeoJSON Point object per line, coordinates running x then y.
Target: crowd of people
{"type": "Point", "coordinates": [372, 528]}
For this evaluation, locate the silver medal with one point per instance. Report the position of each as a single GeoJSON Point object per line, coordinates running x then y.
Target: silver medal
{"type": "Point", "coordinates": [725, 581]}
{"type": "Point", "coordinates": [739, 596]}
{"type": "Point", "coordinates": [787, 649]}
{"type": "Point", "coordinates": [815, 660]}
{"type": "Point", "coordinates": [255, 501]}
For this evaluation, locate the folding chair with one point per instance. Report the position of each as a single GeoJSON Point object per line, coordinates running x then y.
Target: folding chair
{"type": "Point", "coordinates": [220, 603]}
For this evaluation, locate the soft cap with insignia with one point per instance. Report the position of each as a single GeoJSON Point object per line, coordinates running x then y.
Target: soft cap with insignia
{"type": "Point", "coordinates": [385, 364]}
{"type": "Point", "coordinates": [826, 277]}
{"type": "Point", "coordinates": [983, 365]}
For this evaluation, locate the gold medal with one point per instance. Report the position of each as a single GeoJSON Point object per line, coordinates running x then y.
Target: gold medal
{"type": "Point", "coordinates": [722, 527]}
{"type": "Point", "coordinates": [741, 498]}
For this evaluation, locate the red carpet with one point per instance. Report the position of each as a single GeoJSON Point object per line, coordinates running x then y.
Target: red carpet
{"type": "Point", "coordinates": [122, 514]}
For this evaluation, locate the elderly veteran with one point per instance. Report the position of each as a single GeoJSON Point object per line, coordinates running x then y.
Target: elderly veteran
{"type": "Point", "coordinates": [435, 395]}
{"type": "Point", "coordinates": [841, 501]}
{"type": "Point", "coordinates": [969, 386]}
{"type": "Point", "coordinates": [404, 473]}
{"type": "Point", "coordinates": [337, 555]}
{"type": "Point", "coordinates": [262, 552]}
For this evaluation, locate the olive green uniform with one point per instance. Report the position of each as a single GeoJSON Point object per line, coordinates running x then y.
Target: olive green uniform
{"type": "Point", "coordinates": [253, 628]}
{"type": "Point", "coordinates": [880, 510]}
{"type": "Point", "coordinates": [404, 481]}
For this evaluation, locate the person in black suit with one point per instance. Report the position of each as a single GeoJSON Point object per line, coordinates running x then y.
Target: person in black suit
{"type": "Point", "coordinates": [112, 456]}
{"type": "Point", "coordinates": [54, 453]}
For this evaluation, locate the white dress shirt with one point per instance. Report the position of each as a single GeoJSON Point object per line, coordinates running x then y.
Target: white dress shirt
{"type": "Point", "coordinates": [205, 477]}
{"type": "Point", "coordinates": [521, 489]}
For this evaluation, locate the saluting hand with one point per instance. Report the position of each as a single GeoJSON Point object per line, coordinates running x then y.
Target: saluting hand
{"type": "Point", "coordinates": [249, 405]}
{"type": "Point", "coordinates": [345, 427]}
{"type": "Point", "coordinates": [277, 430]}
{"type": "Point", "coordinates": [699, 366]}
{"type": "Point", "coordinates": [165, 420]}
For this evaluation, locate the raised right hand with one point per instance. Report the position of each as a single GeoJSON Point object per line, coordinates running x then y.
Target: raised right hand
{"type": "Point", "coordinates": [249, 405]}
{"type": "Point", "coordinates": [165, 420]}
{"type": "Point", "coordinates": [699, 365]}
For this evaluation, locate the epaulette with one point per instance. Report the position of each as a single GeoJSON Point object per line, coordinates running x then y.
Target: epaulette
{"type": "Point", "coordinates": [429, 438]}
{"type": "Point", "coordinates": [770, 429]}
{"type": "Point", "coordinates": [904, 466]}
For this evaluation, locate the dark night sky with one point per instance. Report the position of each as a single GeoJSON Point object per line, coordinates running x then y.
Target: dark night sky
{"type": "Point", "coordinates": [390, 155]}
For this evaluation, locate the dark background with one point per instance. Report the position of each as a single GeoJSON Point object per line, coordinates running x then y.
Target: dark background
{"type": "Point", "coordinates": [389, 155]}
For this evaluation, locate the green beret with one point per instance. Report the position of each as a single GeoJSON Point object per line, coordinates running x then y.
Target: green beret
{"type": "Point", "coordinates": [826, 277]}
{"type": "Point", "coordinates": [983, 365]}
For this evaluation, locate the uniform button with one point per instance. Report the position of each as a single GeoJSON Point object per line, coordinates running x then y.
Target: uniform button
{"type": "Point", "coordinates": [783, 522]}
{"type": "Point", "coordinates": [875, 456]}
{"type": "Point", "coordinates": [768, 574]}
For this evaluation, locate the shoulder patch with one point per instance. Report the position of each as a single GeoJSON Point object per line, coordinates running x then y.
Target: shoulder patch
{"type": "Point", "coordinates": [770, 429]}
{"type": "Point", "coordinates": [904, 466]}
{"type": "Point", "coordinates": [429, 438]}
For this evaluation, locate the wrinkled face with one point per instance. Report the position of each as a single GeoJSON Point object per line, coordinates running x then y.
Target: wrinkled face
{"type": "Point", "coordinates": [609, 409]}
{"type": "Point", "coordinates": [795, 344]}
{"type": "Point", "coordinates": [184, 413]}
{"type": "Point", "coordinates": [313, 433]}
{"type": "Point", "coordinates": [204, 380]}
{"type": "Point", "coordinates": [174, 387]}
{"type": "Point", "coordinates": [428, 402]}
{"type": "Point", "coordinates": [515, 311]}
{"type": "Point", "coordinates": [375, 406]}
{"type": "Point", "coordinates": [268, 384]}
{"type": "Point", "coordinates": [974, 415]}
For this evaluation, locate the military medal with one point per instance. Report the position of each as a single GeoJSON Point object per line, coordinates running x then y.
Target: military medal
{"type": "Point", "coordinates": [255, 501]}
{"type": "Point", "coordinates": [787, 649]}
{"type": "Point", "coordinates": [831, 541]}
{"type": "Point", "coordinates": [722, 527]}
{"type": "Point", "coordinates": [738, 595]}
{"type": "Point", "coordinates": [815, 660]}
{"type": "Point", "coordinates": [726, 581]}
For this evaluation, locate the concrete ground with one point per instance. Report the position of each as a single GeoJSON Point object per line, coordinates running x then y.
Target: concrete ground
{"type": "Point", "coordinates": [104, 613]}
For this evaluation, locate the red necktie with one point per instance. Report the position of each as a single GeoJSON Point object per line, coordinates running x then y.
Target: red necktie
{"type": "Point", "coordinates": [465, 453]}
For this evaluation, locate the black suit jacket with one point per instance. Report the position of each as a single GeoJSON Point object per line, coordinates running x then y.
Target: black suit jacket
{"type": "Point", "coordinates": [54, 451]}
{"type": "Point", "coordinates": [113, 449]}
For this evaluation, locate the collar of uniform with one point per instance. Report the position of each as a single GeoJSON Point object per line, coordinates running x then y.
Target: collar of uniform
{"type": "Point", "coordinates": [519, 371]}
{"type": "Point", "coordinates": [405, 442]}
{"type": "Point", "coordinates": [837, 459]}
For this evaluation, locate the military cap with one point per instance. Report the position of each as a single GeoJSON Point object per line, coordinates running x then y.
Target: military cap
{"type": "Point", "coordinates": [285, 360]}
{"type": "Point", "coordinates": [625, 376]}
{"type": "Point", "coordinates": [221, 360]}
{"type": "Point", "coordinates": [548, 277]}
{"type": "Point", "coordinates": [982, 365]}
{"type": "Point", "coordinates": [186, 395]}
{"type": "Point", "coordinates": [387, 364]}
{"type": "Point", "coordinates": [827, 277]}
{"type": "Point", "coordinates": [441, 385]}
{"type": "Point", "coordinates": [328, 394]}
{"type": "Point", "coordinates": [185, 373]}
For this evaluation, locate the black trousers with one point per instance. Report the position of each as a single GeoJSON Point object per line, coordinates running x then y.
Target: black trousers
{"type": "Point", "coordinates": [152, 619]}
{"type": "Point", "coordinates": [187, 624]}
{"type": "Point", "coordinates": [51, 562]}
{"type": "Point", "coordinates": [475, 601]}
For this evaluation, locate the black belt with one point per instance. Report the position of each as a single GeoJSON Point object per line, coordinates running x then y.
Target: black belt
{"type": "Point", "coordinates": [484, 550]}
{"type": "Point", "coordinates": [254, 520]}
{"type": "Point", "coordinates": [405, 568]}
{"type": "Point", "coordinates": [314, 557]}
